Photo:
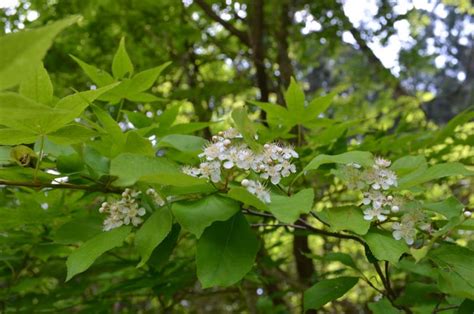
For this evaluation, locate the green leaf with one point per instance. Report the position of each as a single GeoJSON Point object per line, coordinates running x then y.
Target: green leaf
{"type": "Point", "coordinates": [121, 63]}
{"type": "Point", "coordinates": [196, 216]}
{"type": "Point", "coordinates": [129, 168]}
{"type": "Point", "coordinates": [37, 85]}
{"type": "Point", "coordinates": [110, 125]}
{"type": "Point", "coordinates": [15, 137]}
{"type": "Point", "coordinates": [152, 233]}
{"type": "Point", "coordinates": [244, 196]}
{"type": "Point", "coordinates": [407, 164]}
{"type": "Point", "coordinates": [288, 209]}
{"type": "Point", "coordinates": [144, 80]}
{"type": "Point", "coordinates": [245, 127]}
{"type": "Point", "coordinates": [294, 98]}
{"type": "Point", "coordinates": [71, 134]}
{"type": "Point", "coordinates": [343, 258]}
{"type": "Point", "coordinates": [436, 172]}
{"type": "Point", "coordinates": [73, 106]}
{"type": "Point", "coordinates": [186, 143]}
{"type": "Point", "coordinates": [319, 105]}
{"type": "Point", "coordinates": [276, 114]}
{"type": "Point", "coordinates": [327, 290]}
{"type": "Point", "coordinates": [137, 144]}
{"type": "Point", "coordinates": [174, 179]}
{"type": "Point", "coordinates": [449, 208]}
{"type": "Point", "coordinates": [454, 258]}
{"type": "Point", "coordinates": [22, 51]}
{"type": "Point", "coordinates": [347, 218]}
{"type": "Point", "coordinates": [77, 230]}
{"type": "Point", "coordinates": [359, 157]}
{"type": "Point", "coordinates": [98, 76]}
{"type": "Point", "coordinates": [226, 252]}
{"type": "Point", "coordinates": [383, 306]}
{"type": "Point", "coordinates": [82, 258]}
{"type": "Point", "coordinates": [384, 247]}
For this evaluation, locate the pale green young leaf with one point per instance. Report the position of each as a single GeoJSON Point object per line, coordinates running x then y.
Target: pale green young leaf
{"type": "Point", "coordinates": [144, 80]}
{"type": "Point", "coordinates": [71, 134]}
{"type": "Point", "coordinates": [226, 252]}
{"type": "Point", "coordinates": [294, 98]}
{"type": "Point", "coordinates": [318, 105]}
{"type": "Point", "coordinates": [110, 125]}
{"type": "Point", "coordinates": [121, 63]}
{"type": "Point", "coordinates": [98, 76]}
{"type": "Point", "coordinates": [143, 97]}
{"type": "Point", "coordinates": [245, 127]}
{"type": "Point", "coordinates": [196, 216]}
{"type": "Point", "coordinates": [15, 137]}
{"type": "Point", "coordinates": [327, 290]}
{"type": "Point", "coordinates": [23, 50]}
{"type": "Point", "coordinates": [408, 164]}
{"type": "Point", "coordinates": [137, 144]}
{"type": "Point", "coordinates": [288, 209]}
{"type": "Point", "coordinates": [37, 85]}
{"type": "Point", "coordinates": [82, 258]}
{"type": "Point", "coordinates": [276, 114]}
{"type": "Point", "coordinates": [152, 233]}
{"type": "Point", "coordinates": [176, 179]}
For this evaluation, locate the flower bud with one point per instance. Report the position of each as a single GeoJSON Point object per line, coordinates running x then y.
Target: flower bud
{"type": "Point", "coordinates": [395, 208]}
{"type": "Point", "coordinates": [467, 213]}
{"type": "Point", "coordinates": [245, 182]}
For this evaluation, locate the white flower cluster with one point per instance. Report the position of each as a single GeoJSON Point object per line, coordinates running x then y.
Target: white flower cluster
{"type": "Point", "coordinates": [379, 202]}
{"type": "Point", "coordinates": [124, 211]}
{"type": "Point", "coordinates": [227, 151]}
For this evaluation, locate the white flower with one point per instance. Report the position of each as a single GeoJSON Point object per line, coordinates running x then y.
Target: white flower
{"type": "Point", "coordinates": [406, 231]}
{"type": "Point", "coordinates": [379, 213]}
{"type": "Point", "coordinates": [272, 172]}
{"type": "Point", "coordinates": [257, 189]}
{"type": "Point", "coordinates": [211, 170]}
{"type": "Point", "coordinates": [191, 171]}
{"type": "Point", "coordinates": [213, 151]}
{"type": "Point", "coordinates": [231, 133]}
{"type": "Point", "coordinates": [379, 162]}
{"type": "Point", "coordinates": [155, 197]}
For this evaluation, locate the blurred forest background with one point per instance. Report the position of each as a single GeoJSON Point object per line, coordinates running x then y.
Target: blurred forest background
{"type": "Point", "coordinates": [407, 62]}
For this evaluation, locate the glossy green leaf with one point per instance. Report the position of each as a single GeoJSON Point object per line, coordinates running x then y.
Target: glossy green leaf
{"type": "Point", "coordinates": [449, 208]}
{"type": "Point", "coordinates": [226, 252]}
{"type": "Point", "coordinates": [152, 233]}
{"type": "Point", "coordinates": [383, 306]}
{"type": "Point", "coordinates": [82, 258]}
{"type": "Point", "coordinates": [384, 247]}
{"type": "Point", "coordinates": [245, 127]}
{"type": "Point", "coordinates": [71, 134]}
{"type": "Point", "coordinates": [288, 209]}
{"type": "Point", "coordinates": [359, 157]}
{"type": "Point", "coordinates": [185, 143]}
{"type": "Point", "coordinates": [347, 218]}
{"type": "Point", "coordinates": [435, 172]}
{"type": "Point", "coordinates": [318, 105]}
{"type": "Point", "coordinates": [196, 216]}
{"type": "Point", "coordinates": [244, 196]}
{"type": "Point", "coordinates": [129, 168]}
{"type": "Point", "coordinates": [327, 290]}
{"type": "Point", "coordinates": [174, 178]}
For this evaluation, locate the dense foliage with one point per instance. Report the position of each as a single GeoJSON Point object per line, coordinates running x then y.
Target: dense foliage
{"type": "Point", "coordinates": [163, 177]}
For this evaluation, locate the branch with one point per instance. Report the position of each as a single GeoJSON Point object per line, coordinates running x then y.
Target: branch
{"type": "Point", "coordinates": [228, 26]}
